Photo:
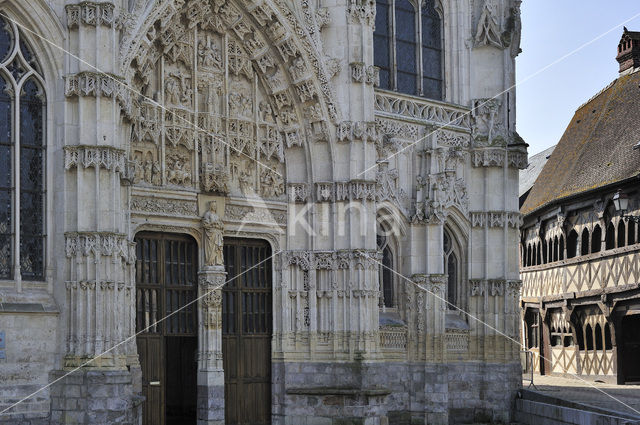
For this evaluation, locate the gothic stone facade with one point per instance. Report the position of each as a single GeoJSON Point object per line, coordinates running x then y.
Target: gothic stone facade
{"type": "Point", "coordinates": [271, 108]}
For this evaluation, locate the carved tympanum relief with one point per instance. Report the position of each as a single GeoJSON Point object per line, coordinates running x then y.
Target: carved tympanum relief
{"type": "Point", "coordinates": [232, 98]}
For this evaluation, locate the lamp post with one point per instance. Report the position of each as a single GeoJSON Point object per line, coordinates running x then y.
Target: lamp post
{"type": "Point", "coordinates": [621, 204]}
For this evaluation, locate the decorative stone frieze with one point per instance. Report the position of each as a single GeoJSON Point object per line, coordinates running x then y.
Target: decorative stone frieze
{"type": "Point", "coordinates": [350, 131]}
{"type": "Point", "coordinates": [95, 84]}
{"type": "Point", "coordinates": [88, 83]}
{"type": "Point", "coordinates": [361, 73]}
{"type": "Point", "coordinates": [90, 13]}
{"type": "Point", "coordinates": [151, 205]}
{"type": "Point", "coordinates": [331, 260]}
{"type": "Point", "coordinates": [488, 158]}
{"type": "Point", "coordinates": [393, 128]}
{"type": "Point", "coordinates": [245, 214]}
{"type": "Point", "coordinates": [298, 192]}
{"type": "Point", "coordinates": [453, 139]}
{"type": "Point", "coordinates": [362, 12]}
{"type": "Point", "coordinates": [104, 157]}
{"type": "Point", "coordinates": [519, 160]}
{"type": "Point", "coordinates": [496, 158]}
{"type": "Point", "coordinates": [494, 287]}
{"type": "Point", "coordinates": [84, 244]}
{"type": "Point", "coordinates": [496, 219]}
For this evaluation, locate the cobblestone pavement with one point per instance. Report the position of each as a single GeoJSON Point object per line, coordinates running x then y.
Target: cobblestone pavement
{"type": "Point", "coordinates": [576, 390]}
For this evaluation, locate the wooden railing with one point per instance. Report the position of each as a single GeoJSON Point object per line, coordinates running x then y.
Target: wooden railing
{"type": "Point", "coordinates": [608, 269]}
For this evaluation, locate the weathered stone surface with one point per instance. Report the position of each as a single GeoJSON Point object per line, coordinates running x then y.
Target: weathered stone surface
{"type": "Point", "coordinates": [270, 108]}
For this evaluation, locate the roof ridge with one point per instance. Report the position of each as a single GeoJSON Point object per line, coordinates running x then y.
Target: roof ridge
{"type": "Point", "coordinates": [597, 94]}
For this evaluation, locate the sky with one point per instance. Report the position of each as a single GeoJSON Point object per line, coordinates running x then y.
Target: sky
{"type": "Point", "coordinates": [552, 29]}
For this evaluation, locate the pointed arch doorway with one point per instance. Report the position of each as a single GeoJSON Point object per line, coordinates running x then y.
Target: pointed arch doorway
{"type": "Point", "coordinates": [166, 282]}
{"type": "Point", "coordinates": [247, 331]}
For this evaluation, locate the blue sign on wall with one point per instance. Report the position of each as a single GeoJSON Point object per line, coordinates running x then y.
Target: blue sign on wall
{"type": "Point", "coordinates": [2, 355]}
{"type": "Point", "coordinates": [1, 339]}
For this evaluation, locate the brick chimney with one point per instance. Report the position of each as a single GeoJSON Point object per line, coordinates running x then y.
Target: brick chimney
{"type": "Point", "coordinates": [629, 51]}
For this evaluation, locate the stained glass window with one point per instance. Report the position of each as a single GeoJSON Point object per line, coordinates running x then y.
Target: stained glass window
{"type": "Point", "coordinates": [22, 232]}
{"type": "Point", "coordinates": [431, 52]}
{"type": "Point", "coordinates": [409, 55]}
{"type": "Point", "coordinates": [382, 43]}
{"type": "Point", "coordinates": [386, 270]}
{"type": "Point", "coordinates": [6, 181]}
{"type": "Point", "coordinates": [452, 269]}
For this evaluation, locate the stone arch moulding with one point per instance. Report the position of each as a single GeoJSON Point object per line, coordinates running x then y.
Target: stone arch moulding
{"type": "Point", "coordinates": [273, 42]}
{"type": "Point", "coordinates": [192, 231]}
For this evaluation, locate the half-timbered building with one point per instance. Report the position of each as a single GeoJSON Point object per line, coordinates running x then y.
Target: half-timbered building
{"type": "Point", "coordinates": [580, 246]}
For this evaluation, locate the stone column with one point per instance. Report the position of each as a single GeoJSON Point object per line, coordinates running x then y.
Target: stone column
{"type": "Point", "coordinates": [211, 280]}
{"type": "Point", "coordinates": [210, 371]}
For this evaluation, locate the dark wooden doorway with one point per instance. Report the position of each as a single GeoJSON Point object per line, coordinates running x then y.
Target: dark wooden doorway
{"type": "Point", "coordinates": [166, 281]}
{"type": "Point", "coordinates": [246, 332]}
{"type": "Point", "coordinates": [631, 348]}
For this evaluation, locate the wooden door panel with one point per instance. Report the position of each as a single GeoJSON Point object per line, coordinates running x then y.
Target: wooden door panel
{"type": "Point", "coordinates": [150, 350]}
{"type": "Point", "coordinates": [247, 327]}
{"type": "Point", "coordinates": [166, 278]}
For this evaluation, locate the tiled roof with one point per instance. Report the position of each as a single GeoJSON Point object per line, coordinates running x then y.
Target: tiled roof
{"type": "Point", "coordinates": [596, 148]}
{"type": "Point", "coordinates": [529, 175]}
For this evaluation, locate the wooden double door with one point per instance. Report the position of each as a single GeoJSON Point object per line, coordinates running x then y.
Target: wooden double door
{"type": "Point", "coordinates": [166, 317]}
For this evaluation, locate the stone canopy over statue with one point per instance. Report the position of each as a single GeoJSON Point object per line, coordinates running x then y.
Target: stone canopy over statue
{"type": "Point", "coordinates": [213, 239]}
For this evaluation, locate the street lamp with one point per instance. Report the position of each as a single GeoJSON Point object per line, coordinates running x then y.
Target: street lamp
{"type": "Point", "coordinates": [621, 204]}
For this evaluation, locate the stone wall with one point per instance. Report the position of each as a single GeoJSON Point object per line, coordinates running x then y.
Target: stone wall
{"type": "Point", "coordinates": [27, 355]}
{"type": "Point", "coordinates": [94, 397]}
{"type": "Point", "coordinates": [394, 393]}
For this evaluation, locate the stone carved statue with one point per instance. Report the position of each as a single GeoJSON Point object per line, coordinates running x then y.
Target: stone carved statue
{"type": "Point", "coordinates": [213, 241]}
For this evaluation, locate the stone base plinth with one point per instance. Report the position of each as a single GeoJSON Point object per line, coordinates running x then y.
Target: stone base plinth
{"type": "Point", "coordinates": [211, 405]}
{"type": "Point", "coordinates": [96, 398]}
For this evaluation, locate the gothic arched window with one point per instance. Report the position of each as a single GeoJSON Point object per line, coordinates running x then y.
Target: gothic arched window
{"type": "Point", "coordinates": [22, 157]}
{"type": "Point", "coordinates": [408, 47]}
{"type": "Point", "coordinates": [596, 239]}
{"type": "Point", "coordinates": [387, 288]}
{"type": "Point", "coordinates": [452, 269]}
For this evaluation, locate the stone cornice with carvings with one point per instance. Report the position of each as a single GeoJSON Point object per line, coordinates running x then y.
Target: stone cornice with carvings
{"type": "Point", "coordinates": [497, 157]}
{"type": "Point", "coordinates": [86, 156]}
{"type": "Point", "coordinates": [160, 206]}
{"type": "Point", "coordinates": [496, 219]}
{"type": "Point", "coordinates": [354, 190]}
{"type": "Point", "coordinates": [353, 131]}
{"type": "Point", "coordinates": [331, 260]}
{"type": "Point", "coordinates": [248, 213]}
{"type": "Point", "coordinates": [495, 287]}
{"type": "Point", "coordinates": [96, 84]}
{"type": "Point", "coordinates": [85, 244]}
{"type": "Point", "coordinates": [361, 73]}
{"type": "Point", "coordinates": [362, 12]}
{"type": "Point", "coordinates": [90, 13]}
